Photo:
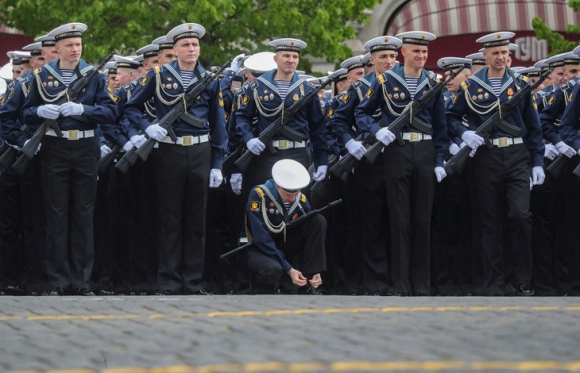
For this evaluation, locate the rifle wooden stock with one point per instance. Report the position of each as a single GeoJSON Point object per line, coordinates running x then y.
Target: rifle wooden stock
{"type": "Point", "coordinates": [457, 163]}
{"type": "Point", "coordinates": [21, 164]}
{"type": "Point", "coordinates": [106, 161]}
{"type": "Point", "coordinates": [8, 158]}
{"type": "Point", "coordinates": [269, 132]}
{"type": "Point", "coordinates": [291, 223]}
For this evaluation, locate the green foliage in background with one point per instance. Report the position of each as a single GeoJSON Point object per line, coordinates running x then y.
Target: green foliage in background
{"type": "Point", "coordinates": [556, 40]}
{"type": "Point", "coordinates": [233, 26]}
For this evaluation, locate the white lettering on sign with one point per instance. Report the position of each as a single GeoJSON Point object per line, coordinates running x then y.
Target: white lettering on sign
{"type": "Point", "coordinates": [531, 49]}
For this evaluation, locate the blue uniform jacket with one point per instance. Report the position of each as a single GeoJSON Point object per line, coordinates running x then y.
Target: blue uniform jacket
{"type": "Point", "coordinates": [477, 92]}
{"type": "Point", "coordinates": [227, 93]}
{"type": "Point", "coordinates": [555, 105]}
{"type": "Point", "coordinates": [342, 119]}
{"type": "Point", "coordinates": [10, 111]}
{"type": "Point", "coordinates": [308, 123]}
{"type": "Point", "coordinates": [447, 99]}
{"type": "Point", "coordinates": [391, 94]}
{"type": "Point", "coordinates": [264, 199]}
{"type": "Point", "coordinates": [45, 86]}
{"type": "Point", "coordinates": [570, 123]}
{"type": "Point", "coordinates": [163, 84]}
{"type": "Point", "coordinates": [329, 109]}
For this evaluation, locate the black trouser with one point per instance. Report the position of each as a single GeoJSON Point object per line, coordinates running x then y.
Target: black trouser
{"type": "Point", "coordinates": [11, 243]}
{"type": "Point", "coordinates": [374, 245]}
{"type": "Point", "coordinates": [183, 182]}
{"type": "Point", "coordinates": [410, 183]}
{"type": "Point", "coordinates": [336, 234]}
{"type": "Point", "coordinates": [501, 179]}
{"type": "Point", "coordinates": [69, 176]}
{"type": "Point", "coordinates": [567, 271]}
{"type": "Point", "coordinates": [34, 227]}
{"type": "Point", "coordinates": [543, 208]}
{"type": "Point", "coordinates": [217, 275]}
{"type": "Point", "coordinates": [303, 249]}
{"type": "Point", "coordinates": [451, 236]}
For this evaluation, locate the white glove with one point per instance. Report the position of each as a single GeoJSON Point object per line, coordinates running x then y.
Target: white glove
{"type": "Point", "coordinates": [440, 173]}
{"type": "Point", "coordinates": [562, 148]}
{"type": "Point", "coordinates": [138, 140]}
{"type": "Point", "coordinates": [356, 148]}
{"type": "Point", "coordinates": [538, 175]}
{"type": "Point", "coordinates": [156, 132]}
{"type": "Point", "coordinates": [453, 149]}
{"type": "Point", "coordinates": [37, 149]}
{"type": "Point", "coordinates": [215, 178]}
{"type": "Point", "coordinates": [471, 153]}
{"type": "Point", "coordinates": [105, 150]}
{"type": "Point", "coordinates": [472, 139]}
{"type": "Point", "coordinates": [320, 173]}
{"type": "Point", "coordinates": [385, 136]}
{"type": "Point", "coordinates": [255, 146]}
{"type": "Point", "coordinates": [72, 108]}
{"type": "Point", "coordinates": [550, 152]}
{"type": "Point", "coordinates": [235, 66]}
{"type": "Point", "coordinates": [48, 111]}
{"type": "Point", "coordinates": [236, 183]}
{"type": "Point", "coordinates": [128, 146]}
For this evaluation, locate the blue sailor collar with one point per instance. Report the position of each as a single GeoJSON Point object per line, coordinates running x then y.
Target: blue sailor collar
{"type": "Point", "coordinates": [268, 80]}
{"type": "Point", "coordinates": [173, 68]}
{"type": "Point", "coordinates": [272, 192]}
{"type": "Point", "coordinates": [55, 71]}
{"type": "Point", "coordinates": [398, 73]}
{"type": "Point", "coordinates": [481, 78]}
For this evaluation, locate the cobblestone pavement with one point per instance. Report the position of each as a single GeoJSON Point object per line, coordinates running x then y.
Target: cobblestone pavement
{"type": "Point", "coordinates": [289, 333]}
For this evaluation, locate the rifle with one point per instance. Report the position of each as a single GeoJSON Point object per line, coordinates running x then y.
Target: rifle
{"type": "Point", "coordinates": [230, 158]}
{"type": "Point", "coordinates": [318, 186]}
{"type": "Point", "coordinates": [8, 158]}
{"type": "Point", "coordinates": [10, 155]}
{"type": "Point", "coordinates": [408, 117]}
{"type": "Point", "coordinates": [105, 162]}
{"type": "Point", "coordinates": [179, 111]}
{"type": "Point", "coordinates": [278, 125]}
{"type": "Point", "coordinates": [557, 165]}
{"type": "Point", "coordinates": [291, 223]}
{"type": "Point", "coordinates": [343, 168]}
{"type": "Point", "coordinates": [128, 159]}
{"type": "Point", "coordinates": [457, 162]}
{"type": "Point", "coordinates": [29, 149]}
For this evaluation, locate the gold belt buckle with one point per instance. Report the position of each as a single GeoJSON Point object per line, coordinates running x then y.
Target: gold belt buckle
{"type": "Point", "coordinates": [73, 134]}
{"type": "Point", "coordinates": [502, 142]}
{"type": "Point", "coordinates": [187, 140]}
{"type": "Point", "coordinates": [282, 144]}
{"type": "Point", "coordinates": [414, 137]}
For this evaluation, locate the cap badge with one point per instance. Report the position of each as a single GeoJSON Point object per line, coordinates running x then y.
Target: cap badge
{"type": "Point", "coordinates": [498, 36]}
{"type": "Point", "coordinates": [423, 36]}
{"type": "Point", "coordinates": [443, 62]}
{"type": "Point", "coordinates": [189, 27]}
{"type": "Point", "coordinates": [292, 42]}
{"type": "Point", "coordinates": [73, 26]}
{"type": "Point", "coordinates": [385, 40]}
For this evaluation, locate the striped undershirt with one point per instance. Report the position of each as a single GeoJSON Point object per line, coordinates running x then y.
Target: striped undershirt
{"type": "Point", "coordinates": [288, 205]}
{"type": "Point", "coordinates": [412, 85]}
{"type": "Point", "coordinates": [496, 85]}
{"type": "Point", "coordinates": [186, 77]}
{"type": "Point", "coordinates": [67, 76]}
{"type": "Point", "coordinates": [283, 88]}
